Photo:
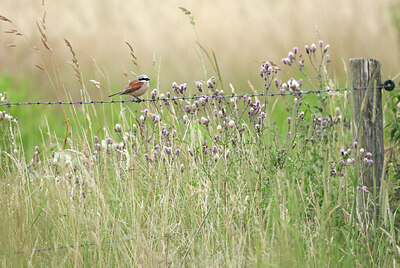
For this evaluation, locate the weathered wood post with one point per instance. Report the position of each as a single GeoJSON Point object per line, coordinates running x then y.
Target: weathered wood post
{"type": "Point", "coordinates": [368, 120]}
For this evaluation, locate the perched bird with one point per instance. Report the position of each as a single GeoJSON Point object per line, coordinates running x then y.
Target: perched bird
{"type": "Point", "coordinates": [136, 87]}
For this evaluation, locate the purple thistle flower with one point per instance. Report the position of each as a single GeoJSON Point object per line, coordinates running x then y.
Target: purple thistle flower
{"type": "Point", "coordinates": [328, 58]}
{"type": "Point", "coordinates": [289, 119]}
{"type": "Point", "coordinates": [167, 149]}
{"type": "Point", "coordinates": [295, 50]}
{"type": "Point", "coordinates": [233, 141]}
{"type": "Point", "coordinates": [177, 151]}
{"type": "Point", "coordinates": [96, 139]}
{"type": "Point", "coordinates": [117, 128]}
{"type": "Point", "coordinates": [368, 155]}
{"type": "Point", "coordinates": [108, 140]}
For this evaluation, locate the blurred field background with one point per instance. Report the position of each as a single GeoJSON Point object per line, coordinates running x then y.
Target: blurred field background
{"type": "Point", "coordinates": [241, 33]}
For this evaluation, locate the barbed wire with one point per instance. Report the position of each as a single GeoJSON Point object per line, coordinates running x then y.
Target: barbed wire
{"type": "Point", "coordinates": [296, 93]}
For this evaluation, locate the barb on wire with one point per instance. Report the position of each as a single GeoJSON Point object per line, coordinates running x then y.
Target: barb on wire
{"type": "Point", "coordinates": [187, 98]}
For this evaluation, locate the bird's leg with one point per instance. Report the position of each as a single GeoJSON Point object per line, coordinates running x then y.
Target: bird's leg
{"type": "Point", "coordinates": [138, 100]}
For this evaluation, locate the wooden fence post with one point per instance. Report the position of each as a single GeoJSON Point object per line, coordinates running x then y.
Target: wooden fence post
{"type": "Point", "coordinates": [368, 120]}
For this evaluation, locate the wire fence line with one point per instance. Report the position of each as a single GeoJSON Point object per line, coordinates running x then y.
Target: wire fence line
{"type": "Point", "coordinates": [385, 86]}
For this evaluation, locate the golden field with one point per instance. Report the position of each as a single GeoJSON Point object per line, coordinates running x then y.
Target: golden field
{"type": "Point", "coordinates": [241, 33]}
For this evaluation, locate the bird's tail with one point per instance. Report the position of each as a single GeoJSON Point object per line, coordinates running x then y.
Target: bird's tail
{"type": "Point", "coordinates": [116, 94]}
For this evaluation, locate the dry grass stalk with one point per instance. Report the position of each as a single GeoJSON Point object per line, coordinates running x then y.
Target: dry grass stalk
{"type": "Point", "coordinates": [5, 19]}
{"type": "Point", "coordinates": [74, 63]}
{"type": "Point", "coordinates": [134, 58]}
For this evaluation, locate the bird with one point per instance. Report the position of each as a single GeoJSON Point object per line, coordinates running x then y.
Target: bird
{"type": "Point", "coordinates": [136, 87]}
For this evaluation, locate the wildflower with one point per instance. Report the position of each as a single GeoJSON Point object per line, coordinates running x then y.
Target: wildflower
{"type": "Point", "coordinates": [328, 59]}
{"type": "Point", "coordinates": [108, 140]}
{"type": "Point", "coordinates": [185, 118]}
{"type": "Point", "coordinates": [199, 86]}
{"type": "Point", "coordinates": [293, 84]}
{"type": "Point", "coordinates": [307, 49]}
{"type": "Point", "coordinates": [146, 156]}
{"type": "Point", "coordinates": [167, 149]}
{"type": "Point", "coordinates": [398, 106]}
{"type": "Point", "coordinates": [301, 115]}
{"type": "Point", "coordinates": [96, 139]}
{"type": "Point", "coordinates": [326, 48]}
{"type": "Point", "coordinates": [294, 145]}
{"type": "Point", "coordinates": [219, 128]}
{"type": "Point", "coordinates": [320, 42]}
{"type": "Point", "coordinates": [295, 50]}
{"type": "Point", "coordinates": [355, 144]}
{"type": "Point", "coordinates": [249, 100]}
{"type": "Point", "coordinates": [349, 161]}
{"type": "Point", "coordinates": [313, 47]}
{"type": "Point", "coordinates": [231, 123]}
{"type": "Point", "coordinates": [361, 150]}
{"type": "Point", "coordinates": [182, 87]}
{"type": "Point", "coordinates": [177, 151]}
{"type": "Point", "coordinates": [154, 93]}
{"type": "Point", "coordinates": [333, 172]}
{"type": "Point", "coordinates": [205, 121]}
{"type": "Point", "coordinates": [210, 84]}
{"type": "Point", "coordinates": [368, 155]}
{"type": "Point", "coordinates": [187, 108]}
{"type": "Point", "coordinates": [364, 187]}
{"type": "Point", "coordinates": [217, 137]}
{"type": "Point", "coordinates": [233, 141]}
{"type": "Point", "coordinates": [203, 101]}
{"type": "Point", "coordinates": [181, 168]}
{"type": "Point", "coordinates": [289, 119]}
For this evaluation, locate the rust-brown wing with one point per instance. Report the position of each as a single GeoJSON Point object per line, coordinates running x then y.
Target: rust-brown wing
{"type": "Point", "coordinates": [132, 87]}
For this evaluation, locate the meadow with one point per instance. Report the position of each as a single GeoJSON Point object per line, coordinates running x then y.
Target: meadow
{"type": "Point", "coordinates": [217, 180]}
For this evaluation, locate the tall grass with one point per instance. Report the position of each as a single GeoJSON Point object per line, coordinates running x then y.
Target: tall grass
{"type": "Point", "coordinates": [210, 182]}
{"type": "Point", "coordinates": [242, 34]}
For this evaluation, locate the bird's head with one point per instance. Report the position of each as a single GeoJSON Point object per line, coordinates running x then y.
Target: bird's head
{"type": "Point", "coordinates": [143, 78]}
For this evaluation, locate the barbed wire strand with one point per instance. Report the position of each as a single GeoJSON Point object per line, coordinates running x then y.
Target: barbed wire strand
{"type": "Point", "coordinates": [184, 97]}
